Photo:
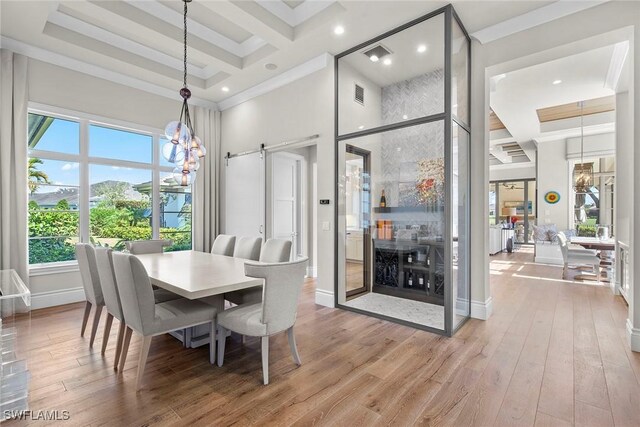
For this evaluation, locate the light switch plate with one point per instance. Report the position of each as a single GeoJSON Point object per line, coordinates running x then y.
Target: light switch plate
{"type": "Point", "coordinates": [326, 226]}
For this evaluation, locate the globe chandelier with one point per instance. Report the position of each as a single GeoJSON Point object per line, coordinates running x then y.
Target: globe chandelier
{"type": "Point", "coordinates": [184, 148]}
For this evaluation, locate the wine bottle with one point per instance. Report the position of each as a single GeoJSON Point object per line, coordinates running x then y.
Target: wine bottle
{"type": "Point", "coordinates": [421, 281]}
{"type": "Point", "coordinates": [383, 200]}
{"type": "Point", "coordinates": [409, 258]}
{"type": "Point", "coordinates": [410, 280]}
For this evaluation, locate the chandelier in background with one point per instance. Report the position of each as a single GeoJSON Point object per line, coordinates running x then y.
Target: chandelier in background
{"type": "Point", "coordinates": [184, 148]}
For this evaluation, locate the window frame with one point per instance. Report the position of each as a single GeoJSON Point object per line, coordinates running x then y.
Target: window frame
{"type": "Point", "coordinates": [83, 158]}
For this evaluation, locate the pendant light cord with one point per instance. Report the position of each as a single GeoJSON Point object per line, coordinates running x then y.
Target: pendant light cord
{"type": "Point", "coordinates": [581, 137]}
{"type": "Point", "coordinates": [185, 45]}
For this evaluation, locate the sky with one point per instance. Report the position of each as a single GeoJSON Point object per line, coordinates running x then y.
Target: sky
{"type": "Point", "coordinates": [63, 136]}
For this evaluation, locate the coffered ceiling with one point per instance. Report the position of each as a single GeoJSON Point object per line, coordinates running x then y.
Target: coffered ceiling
{"type": "Point", "coordinates": [233, 44]}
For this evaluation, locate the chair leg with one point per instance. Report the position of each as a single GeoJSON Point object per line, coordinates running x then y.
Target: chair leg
{"type": "Point", "coordinates": [294, 348]}
{"type": "Point", "coordinates": [85, 318]}
{"type": "Point", "coordinates": [107, 331]}
{"type": "Point", "coordinates": [125, 348]}
{"type": "Point", "coordinates": [121, 332]}
{"type": "Point", "coordinates": [212, 343]}
{"type": "Point", "coordinates": [265, 360]}
{"type": "Point", "coordinates": [94, 327]}
{"type": "Point", "coordinates": [222, 337]}
{"type": "Point", "coordinates": [144, 352]}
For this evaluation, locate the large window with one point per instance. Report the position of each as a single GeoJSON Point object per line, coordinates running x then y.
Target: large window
{"type": "Point", "coordinates": [101, 183]}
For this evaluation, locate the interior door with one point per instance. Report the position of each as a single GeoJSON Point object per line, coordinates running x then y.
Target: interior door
{"type": "Point", "coordinates": [284, 198]}
{"type": "Point", "coordinates": [358, 220]}
{"type": "Point", "coordinates": [245, 195]}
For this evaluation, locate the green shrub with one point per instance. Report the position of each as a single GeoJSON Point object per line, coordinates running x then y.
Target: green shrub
{"type": "Point", "coordinates": [51, 250]}
{"type": "Point", "coordinates": [586, 230]}
{"type": "Point", "coordinates": [50, 223]}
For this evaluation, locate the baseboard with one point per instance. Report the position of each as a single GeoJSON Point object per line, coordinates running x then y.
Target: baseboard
{"type": "Point", "coordinates": [312, 271]}
{"type": "Point", "coordinates": [482, 310]}
{"type": "Point", "coordinates": [543, 260]}
{"type": "Point", "coordinates": [634, 336]}
{"type": "Point", "coordinates": [53, 298]}
{"type": "Point", "coordinates": [325, 298]}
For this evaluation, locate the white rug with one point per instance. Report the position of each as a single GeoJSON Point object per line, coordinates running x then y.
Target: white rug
{"type": "Point", "coordinates": [418, 312]}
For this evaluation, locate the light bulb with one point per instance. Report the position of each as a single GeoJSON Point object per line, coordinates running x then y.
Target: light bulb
{"type": "Point", "coordinates": [183, 178]}
{"type": "Point", "coordinates": [176, 132]}
{"type": "Point", "coordinates": [201, 151]}
{"type": "Point", "coordinates": [374, 58]}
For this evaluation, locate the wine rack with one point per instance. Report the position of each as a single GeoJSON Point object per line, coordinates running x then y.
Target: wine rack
{"type": "Point", "coordinates": [409, 269]}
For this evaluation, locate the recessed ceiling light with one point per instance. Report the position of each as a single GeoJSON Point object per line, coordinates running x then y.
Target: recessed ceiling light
{"type": "Point", "coordinates": [422, 48]}
{"type": "Point", "coordinates": [361, 127]}
{"type": "Point", "coordinates": [405, 117]}
{"type": "Point", "coordinates": [270, 66]}
{"type": "Point", "coordinates": [557, 82]}
{"type": "Point", "coordinates": [338, 30]}
{"type": "Point", "coordinates": [225, 89]}
{"type": "Point", "coordinates": [374, 58]}
{"type": "Point", "coordinates": [387, 61]}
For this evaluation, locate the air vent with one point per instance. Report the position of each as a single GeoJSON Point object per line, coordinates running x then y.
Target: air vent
{"type": "Point", "coordinates": [377, 53]}
{"type": "Point", "coordinates": [359, 94]}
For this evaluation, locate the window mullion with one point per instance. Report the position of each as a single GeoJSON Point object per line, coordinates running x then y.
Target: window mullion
{"type": "Point", "coordinates": [85, 187]}
{"type": "Point", "coordinates": [155, 192]}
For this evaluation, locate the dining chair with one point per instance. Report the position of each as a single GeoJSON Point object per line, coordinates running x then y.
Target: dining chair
{"type": "Point", "coordinates": [153, 246]}
{"type": "Point", "coordinates": [577, 257]}
{"type": "Point", "coordinates": [274, 250]}
{"type": "Point", "coordinates": [141, 247]}
{"type": "Point", "coordinates": [276, 313]}
{"type": "Point", "coordinates": [223, 245]}
{"type": "Point", "coordinates": [248, 248]}
{"type": "Point", "coordinates": [92, 289]}
{"type": "Point", "coordinates": [150, 319]}
{"type": "Point", "coordinates": [104, 262]}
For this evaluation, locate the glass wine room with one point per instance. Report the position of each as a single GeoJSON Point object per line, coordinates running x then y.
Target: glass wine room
{"type": "Point", "coordinates": [402, 138]}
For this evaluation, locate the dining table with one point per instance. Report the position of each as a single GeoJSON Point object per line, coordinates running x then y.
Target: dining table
{"type": "Point", "coordinates": [594, 243]}
{"type": "Point", "coordinates": [197, 275]}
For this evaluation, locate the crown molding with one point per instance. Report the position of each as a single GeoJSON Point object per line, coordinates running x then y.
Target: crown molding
{"type": "Point", "coordinates": [95, 71]}
{"type": "Point", "coordinates": [551, 12]}
{"type": "Point", "coordinates": [295, 73]}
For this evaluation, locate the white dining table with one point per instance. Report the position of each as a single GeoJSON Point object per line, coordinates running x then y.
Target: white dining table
{"type": "Point", "coordinates": [195, 275]}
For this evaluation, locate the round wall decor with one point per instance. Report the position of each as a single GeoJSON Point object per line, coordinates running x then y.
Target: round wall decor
{"type": "Point", "coordinates": [552, 197]}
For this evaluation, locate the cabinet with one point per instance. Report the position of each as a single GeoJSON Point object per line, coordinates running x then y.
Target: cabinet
{"type": "Point", "coordinates": [409, 269]}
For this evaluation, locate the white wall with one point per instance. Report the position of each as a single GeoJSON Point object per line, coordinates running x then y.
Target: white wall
{"type": "Point", "coordinates": [64, 88]}
{"type": "Point", "coordinates": [299, 109]}
{"type": "Point", "coordinates": [553, 175]}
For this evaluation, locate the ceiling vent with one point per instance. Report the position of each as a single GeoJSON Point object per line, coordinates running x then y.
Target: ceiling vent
{"type": "Point", "coordinates": [376, 53]}
{"type": "Point", "coordinates": [359, 94]}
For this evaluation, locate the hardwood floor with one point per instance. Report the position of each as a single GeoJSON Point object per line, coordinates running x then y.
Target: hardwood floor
{"type": "Point", "coordinates": [554, 353]}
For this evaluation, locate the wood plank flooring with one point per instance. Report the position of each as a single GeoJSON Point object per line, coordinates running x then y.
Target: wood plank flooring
{"type": "Point", "coordinates": [554, 353]}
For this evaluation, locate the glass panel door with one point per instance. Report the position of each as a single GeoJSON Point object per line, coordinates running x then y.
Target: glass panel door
{"type": "Point", "coordinates": [357, 217]}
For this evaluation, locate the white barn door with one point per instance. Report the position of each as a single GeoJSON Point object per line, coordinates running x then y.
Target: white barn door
{"type": "Point", "coordinates": [284, 199]}
{"type": "Point", "coordinates": [245, 195]}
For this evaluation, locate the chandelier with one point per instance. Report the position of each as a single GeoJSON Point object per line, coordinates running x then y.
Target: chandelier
{"type": "Point", "coordinates": [582, 173]}
{"type": "Point", "coordinates": [184, 148]}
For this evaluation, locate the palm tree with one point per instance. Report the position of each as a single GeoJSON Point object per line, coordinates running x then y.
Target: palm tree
{"type": "Point", "coordinates": [36, 177]}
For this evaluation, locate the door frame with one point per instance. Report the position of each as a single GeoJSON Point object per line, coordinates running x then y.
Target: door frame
{"type": "Point", "coordinates": [301, 198]}
{"type": "Point", "coordinates": [366, 231]}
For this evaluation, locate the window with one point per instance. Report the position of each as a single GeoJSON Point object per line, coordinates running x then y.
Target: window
{"type": "Point", "coordinates": [98, 182]}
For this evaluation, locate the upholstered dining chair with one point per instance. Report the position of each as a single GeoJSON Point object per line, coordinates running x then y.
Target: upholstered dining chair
{"type": "Point", "coordinates": [223, 245]}
{"type": "Point", "coordinates": [150, 319]}
{"type": "Point", "coordinates": [276, 313]}
{"type": "Point", "coordinates": [104, 262]}
{"type": "Point", "coordinates": [577, 257]}
{"type": "Point", "coordinates": [141, 247]}
{"type": "Point", "coordinates": [248, 248]}
{"type": "Point", "coordinates": [274, 250]}
{"type": "Point", "coordinates": [92, 289]}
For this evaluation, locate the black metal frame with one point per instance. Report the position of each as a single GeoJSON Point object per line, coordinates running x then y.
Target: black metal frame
{"type": "Point", "coordinates": [448, 119]}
